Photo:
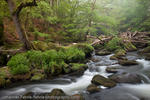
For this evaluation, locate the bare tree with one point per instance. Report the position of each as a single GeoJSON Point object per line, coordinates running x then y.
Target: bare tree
{"type": "Point", "coordinates": [15, 16]}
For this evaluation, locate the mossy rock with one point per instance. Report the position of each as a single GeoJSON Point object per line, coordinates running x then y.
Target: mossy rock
{"type": "Point", "coordinates": [128, 62]}
{"type": "Point", "coordinates": [78, 66]}
{"type": "Point", "coordinates": [93, 88]}
{"type": "Point", "coordinates": [146, 50]}
{"type": "Point", "coordinates": [37, 77]}
{"type": "Point", "coordinates": [57, 92]}
{"type": "Point", "coordinates": [101, 80]}
{"type": "Point", "coordinates": [120, 52]}
{"type": "Point", "coordinates": [129, 46]}
{"type": "Point", "coordinates": [103, 53]}
{"type": "Point", "coordinates": [40, 45]}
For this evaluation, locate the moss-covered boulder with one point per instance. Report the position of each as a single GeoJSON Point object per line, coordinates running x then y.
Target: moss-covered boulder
{"type": "Point", "coordinates": [78, 66]}
{"type": "Point", "coordinates": [129, 46]}
{"type": "Point", "coordinates": [93, 88]}
{"type": "Point", "coordinates": [119, 54]}
{"type": "Point", "coordinates": [146, 50]}
{"type": "Point", "coordinates": [128, 62]}
{"type": "Point", "coordinates": [40, 45]}
{"type": "Point", "coordinates": [57, 92]}
{"type": "Point", "coordinates": [100, 80]}
{"type": "Point", "coordinates": [103, 53]}
{"type": "Point", "coordinates": [1, 32]}
{"type": "Point", "coordinates": [112, 69]}
{"type": "Point", "coordinates": [37, 77]}
{"type": "Point", "coordinates": [77, 69]}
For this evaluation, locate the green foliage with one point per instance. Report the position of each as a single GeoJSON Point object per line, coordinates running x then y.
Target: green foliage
{"type": "Point", "coordinates": [36, 58]}
{"type": "Point", "coordinates": [114, 44]}
{"type": "Point", "coordinates": [73, 54]}
{"type": "Point", "coordinates": [86, 48]}
{"type": "Point", "coordinates": [19, 64]}
{"type": "Point", "coordinates": [20, 69]}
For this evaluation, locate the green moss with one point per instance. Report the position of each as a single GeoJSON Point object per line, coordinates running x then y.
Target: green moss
{"type": "Point", "coordinates": [19, 64]}
{"type": "Point", "coordinates": [114, 44]}
{"type": "Point", "coordinates": [120, 52]}
{"type": "Point", "coordinates": [37, 77]}
{"type": "Point", "coordinates": [86, 48]}
{"type": "Point", "coordinates": [73, 54]}
{"type": "Point", "coordinates": [40, 45]}
{"type": "Point", "coordinates": [77, 66]}
{"type": "Point", "coordinates": [129, 46]}
{"type": "Point", "coordinates": [146, 50]}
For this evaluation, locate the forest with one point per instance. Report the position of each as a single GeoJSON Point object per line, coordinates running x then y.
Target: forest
{"type": "Point", "coordinates": [74, 49]}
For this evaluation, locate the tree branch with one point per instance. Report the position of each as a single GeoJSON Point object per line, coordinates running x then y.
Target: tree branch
{"type": "Point", "coordinates": [24, 5]}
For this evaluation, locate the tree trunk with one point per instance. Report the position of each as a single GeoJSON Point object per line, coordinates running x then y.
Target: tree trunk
{"type": "Point", "coordinates": [22, 36]}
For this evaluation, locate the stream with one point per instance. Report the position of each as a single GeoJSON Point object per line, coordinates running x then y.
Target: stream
{"type": "Point", "coordinates": [73, 85]}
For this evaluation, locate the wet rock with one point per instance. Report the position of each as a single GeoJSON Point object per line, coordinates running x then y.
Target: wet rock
{"type": "Point", "coordinates": [147, 56]}
{"type": "Point", "coordinates": [93, 88]}
{"type": "Point", "coordinates": [57, 92]}
{"type": "Point", "coordinates": [145, 50]}
{"type": "Point", "coordinates": [94, 59]}
{"type": "Point", "coordinates": [131, 78]}
{"type": "Point", "coordinates": [100, 80]}
{"type": "Point", "coordinates": [37, 77]}
{"type": "Point", "coordinates": [116, 57]}
{"type": "Point", "coordinates": [128, 62]}
{"type": "Point", "coordinates": [77, 97]}
{"type": "Point", "coordinates": [103, 53]}
{"type": "Point", "coordinates": [112, 69]}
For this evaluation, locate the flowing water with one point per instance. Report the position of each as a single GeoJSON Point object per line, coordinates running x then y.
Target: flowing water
{"type": "Point", "coordinates": [73, 85]}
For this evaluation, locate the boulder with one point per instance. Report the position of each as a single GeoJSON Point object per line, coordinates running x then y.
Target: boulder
{"type": "Point", "coordinates": [57, 92]}
{"type": "Point", "coordinates": [100, 80]}
{"type": "Point", "coordinates": [103, 53]}
{"type": "Point", "coordinates": [93, 88]}
{"type": "Point", "coordinates": [112, 69]}
{"type": "Point", "coordinates": [146, 50]}
{"type": "Point", "coordinates": [37, 77]}
{"type": "Point", "coordinates": [128, 62]}
{"type": "Point", "coordinates": [131, 78]}
{"type": "Point", "coordinates": [78, 66]}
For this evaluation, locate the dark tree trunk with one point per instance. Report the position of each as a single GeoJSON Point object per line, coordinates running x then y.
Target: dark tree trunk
{"type": "Point", "coordinates": [15, 16]}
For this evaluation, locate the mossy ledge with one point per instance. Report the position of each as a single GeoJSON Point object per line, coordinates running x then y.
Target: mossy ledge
{"type": "Point", "coordinates": [36, 65]}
